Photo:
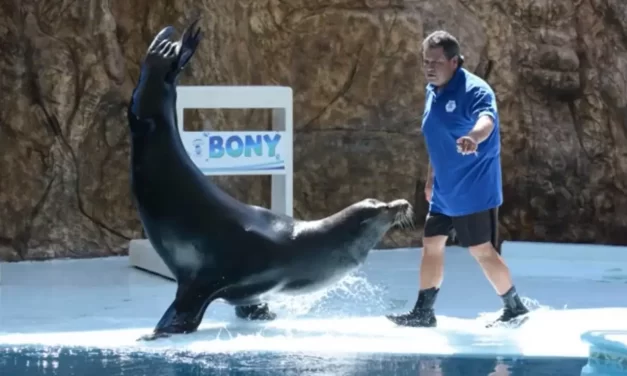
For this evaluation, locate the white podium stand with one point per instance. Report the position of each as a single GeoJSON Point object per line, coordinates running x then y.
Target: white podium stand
{"type": "Point", "coordinates": [234, 153]}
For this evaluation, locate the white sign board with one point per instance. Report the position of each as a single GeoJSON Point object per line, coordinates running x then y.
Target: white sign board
{"type": "Point", "coordinates": [226, 153]}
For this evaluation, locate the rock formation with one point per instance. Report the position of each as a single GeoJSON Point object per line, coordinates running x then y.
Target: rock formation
{"type": "Point", "coordinates": [557, 66]}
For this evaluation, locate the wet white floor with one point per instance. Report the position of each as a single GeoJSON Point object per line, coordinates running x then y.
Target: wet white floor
{"type": "Point", "coordinates": [106, 303]}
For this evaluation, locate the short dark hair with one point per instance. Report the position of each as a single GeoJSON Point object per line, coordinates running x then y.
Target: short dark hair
{"type": "Point", "coordinates": [447, 41]}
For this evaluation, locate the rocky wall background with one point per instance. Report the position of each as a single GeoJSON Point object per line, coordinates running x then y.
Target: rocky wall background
{"type": "Point", "coordinates": [68, 68]}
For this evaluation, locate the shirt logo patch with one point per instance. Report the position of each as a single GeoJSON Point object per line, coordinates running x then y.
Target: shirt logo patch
{"type": "Point", "coordinates": [450, 106]}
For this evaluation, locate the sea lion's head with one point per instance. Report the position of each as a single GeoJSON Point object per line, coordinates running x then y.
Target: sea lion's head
{"type": "Point", "coordinates": [397, 213]}
{"type": "Point", "coordinates": [368, 220]}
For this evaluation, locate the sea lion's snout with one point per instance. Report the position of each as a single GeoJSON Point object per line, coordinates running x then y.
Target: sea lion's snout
{"type": "Point", "coordinates": [403, 213]}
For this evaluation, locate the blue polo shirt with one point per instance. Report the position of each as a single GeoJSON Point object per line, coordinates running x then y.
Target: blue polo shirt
{"type": "Point", "coordinates": [463, 184]}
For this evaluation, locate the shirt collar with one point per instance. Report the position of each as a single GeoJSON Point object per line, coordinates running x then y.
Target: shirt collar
{"type": "Point", "coordinates": [451, 84]}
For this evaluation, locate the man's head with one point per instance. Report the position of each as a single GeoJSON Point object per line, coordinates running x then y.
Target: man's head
{"type": "Point", "coordinates": [441, 57]}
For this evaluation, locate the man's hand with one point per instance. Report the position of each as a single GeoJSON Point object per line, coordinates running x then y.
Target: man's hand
{"type": "Point", "coordinates": [479, 133]}
{"type": "Point", "coordinates": [467, 145]}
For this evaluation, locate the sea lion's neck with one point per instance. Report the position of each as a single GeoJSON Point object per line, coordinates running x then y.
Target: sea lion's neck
{"type": "Point", "coordinates": [153, 97]}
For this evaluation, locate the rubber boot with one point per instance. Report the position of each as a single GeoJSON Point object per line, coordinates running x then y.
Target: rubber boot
{"type": "Point", "coordinates": [513, 307]}
{"type": "Point", "coordinates": [423, 314]}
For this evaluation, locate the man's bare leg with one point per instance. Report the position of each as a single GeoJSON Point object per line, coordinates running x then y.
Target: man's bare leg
{"type": "Point", "coordinates": [431, 276]}
{"type": "Point", "coordinates": [500, 277]}
{"type": "Point", "coordinates": [493, 267]}
{"type": "Point", "coordinates": [432, 262]}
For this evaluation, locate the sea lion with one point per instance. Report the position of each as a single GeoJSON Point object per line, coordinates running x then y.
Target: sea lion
{"type": "Point", "coordinates": [218, 247]}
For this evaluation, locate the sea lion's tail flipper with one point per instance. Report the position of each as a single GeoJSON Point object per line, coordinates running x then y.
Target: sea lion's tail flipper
{"type": "Point", "coordinates": [186, 311]}
{"type": "Point", "coordinates": [164, 34]}
{"type": "Point", "coordinates": [189, 42]}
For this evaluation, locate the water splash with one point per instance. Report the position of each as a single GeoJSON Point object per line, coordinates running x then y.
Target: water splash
{"type": "Point", "coordinates": [532, 304]}
{"type": "Point", "coordinates": [354, 293]}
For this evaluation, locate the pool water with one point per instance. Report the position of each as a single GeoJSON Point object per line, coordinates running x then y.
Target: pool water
{"type": "Point", "coordinates": [32, 361]}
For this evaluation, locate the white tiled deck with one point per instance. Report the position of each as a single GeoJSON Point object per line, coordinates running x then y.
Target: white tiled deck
{"type": "Point", "coordinates": [107, 303]}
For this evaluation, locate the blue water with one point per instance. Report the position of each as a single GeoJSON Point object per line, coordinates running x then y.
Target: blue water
{"type": "Point", "coordinates": [31, 361]}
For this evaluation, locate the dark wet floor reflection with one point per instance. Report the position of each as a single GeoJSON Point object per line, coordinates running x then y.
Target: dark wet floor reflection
{"type": "Point", "coordinates": [88, 362]}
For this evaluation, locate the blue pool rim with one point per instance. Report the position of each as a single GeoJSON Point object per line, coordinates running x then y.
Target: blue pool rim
{"type": "Point", "coordinates": [598, 341]}
{"type": "Point", "coordinates": [605, 354]}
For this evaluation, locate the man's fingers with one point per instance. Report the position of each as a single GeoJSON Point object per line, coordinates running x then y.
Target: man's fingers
{"type": "Point", "coordinates": [465, 145]}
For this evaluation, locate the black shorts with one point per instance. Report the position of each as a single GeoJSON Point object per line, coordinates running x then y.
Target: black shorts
{"type": "Point", "coordinates": [472, 229]}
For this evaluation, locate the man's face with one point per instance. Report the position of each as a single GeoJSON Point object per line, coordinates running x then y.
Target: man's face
{"type": "Point", "coordinates": [438, 69]}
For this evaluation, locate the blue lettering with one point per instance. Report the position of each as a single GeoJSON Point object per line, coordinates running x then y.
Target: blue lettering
{"type": "Point", "coordinates": [238, 149]}
{"type": "Point", "coordinates": [252, 144]}
{"type": "Point", "coordinates": [272, 143]}
{"type": "Point", "coordinates": [216, 149]}
{"type": "Point", "coordinates": [236, 146]}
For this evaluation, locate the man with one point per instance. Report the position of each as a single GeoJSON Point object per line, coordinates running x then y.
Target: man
{"type": "Point", "coordinates": [461, 130]}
